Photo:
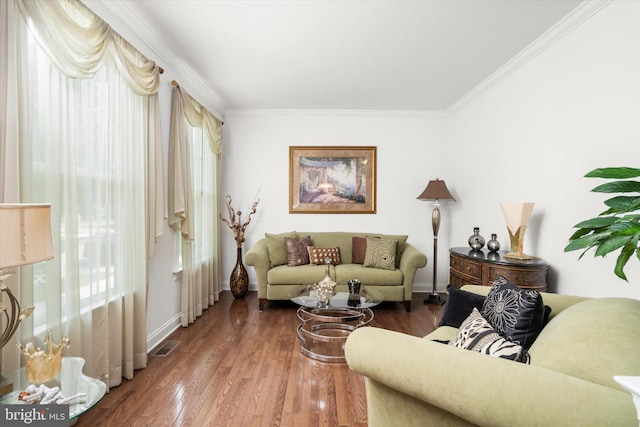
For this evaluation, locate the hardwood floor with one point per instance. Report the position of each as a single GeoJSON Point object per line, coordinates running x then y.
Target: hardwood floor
{"type": "Point", "coordinates": [237, 366]}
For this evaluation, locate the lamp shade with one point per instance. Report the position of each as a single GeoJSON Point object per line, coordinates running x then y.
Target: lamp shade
{"type": "Point", "coordinates": [436, 190]}
{"type": "Point", "coordinates": [516, 214]}
{"type": "Point", "coordinates": [25, 234]}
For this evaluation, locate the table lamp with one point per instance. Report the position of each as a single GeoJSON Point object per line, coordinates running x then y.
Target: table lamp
{"type": "Point", "coordinates": [517, 216]}
{"type": "Point", "coordinates": [435, 190]}
{"type": "Point", "coordinates": [25, 238]}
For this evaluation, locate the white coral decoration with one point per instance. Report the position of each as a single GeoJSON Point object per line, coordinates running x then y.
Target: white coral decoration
{"type": "Point", "coordinates": [45, 395]}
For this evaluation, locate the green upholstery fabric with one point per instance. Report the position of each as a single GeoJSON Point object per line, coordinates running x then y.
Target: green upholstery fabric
{"type": "Point", "coordinates": [585, 335]}
{"type": "Point", "coordinates": [277, 248]}
{"type": "Point", "coordinates": [416, 381]}
{"type": "Point", "coordinates": [275, 279]}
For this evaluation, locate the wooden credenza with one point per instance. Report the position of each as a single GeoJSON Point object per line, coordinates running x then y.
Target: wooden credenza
{"type": "Point", "coordinates": [467, 267]}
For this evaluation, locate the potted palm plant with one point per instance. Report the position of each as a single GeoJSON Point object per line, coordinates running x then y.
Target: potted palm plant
{"type": "Point", "coordinates": [618, 227]}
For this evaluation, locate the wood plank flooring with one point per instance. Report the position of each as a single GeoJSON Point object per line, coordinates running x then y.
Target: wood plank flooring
{"type": "Point", "coordinates": [237, 366]}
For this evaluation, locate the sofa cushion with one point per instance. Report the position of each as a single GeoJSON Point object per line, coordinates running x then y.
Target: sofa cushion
{"type": "Point", "coordinates": [476, 334]}
{"type": "Point", "coordinates": [459, 306]}
{"type": "Point", "coordinates": [593, 340]}
{"type": "Point", "coordinates": [318, 256]}
{"type": "Point", "coordinates": [381, 253]}
{"type": "Point", "coordinates": [368, 276]}
{"type": "Point", "coordinates": [300, 275]}
{"type": "Point", "coordinates": [277, 248]}
{"type": "Point", "coordinates": [358, 249]}
{"type": "Point", "coordinates": [297, 253]}
{"type": "Point", "coordinates": [517, 314]}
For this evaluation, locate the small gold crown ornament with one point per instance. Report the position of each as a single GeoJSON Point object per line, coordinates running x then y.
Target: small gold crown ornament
{"type": "Point", "coordinates": [44, 365]}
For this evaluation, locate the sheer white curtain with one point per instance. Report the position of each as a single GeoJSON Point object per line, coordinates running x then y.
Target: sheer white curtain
{"type": "Point", "coordinates": [194, 147]}
{"type": "Point", "coordinates": [89, 144]}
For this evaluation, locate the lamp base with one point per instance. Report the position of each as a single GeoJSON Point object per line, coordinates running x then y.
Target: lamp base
{"type": "Point", "coordinates": [518, 256]}
{"type": "Point", "coordinates": [6, 386]}
{"type": "Point", "coordinates": [435, 299]}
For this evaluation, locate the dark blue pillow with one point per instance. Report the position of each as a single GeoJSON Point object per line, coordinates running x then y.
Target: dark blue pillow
{"type": "Point", "coordinates": [459, 306]}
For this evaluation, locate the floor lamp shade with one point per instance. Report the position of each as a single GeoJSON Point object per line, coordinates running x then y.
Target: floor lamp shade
{"type": "Point", "coordinates": [436, 190]}
{"type": "Point", "coordinates": [25, 234]}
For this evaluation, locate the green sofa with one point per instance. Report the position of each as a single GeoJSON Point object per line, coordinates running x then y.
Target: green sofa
{"type": "Point", "coordinates": [569, 381]}
{"type": "Point", "coordinates": [275, 279]}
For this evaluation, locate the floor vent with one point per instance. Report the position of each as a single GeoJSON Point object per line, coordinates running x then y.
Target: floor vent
{"type": "Point", "coordinates": [166, 348]}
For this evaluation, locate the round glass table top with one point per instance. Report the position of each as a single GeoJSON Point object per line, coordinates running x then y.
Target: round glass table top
{"type": "Point", "coordinates": [71, 381]}
{"type": "Point", "coordinates": [305, 296]}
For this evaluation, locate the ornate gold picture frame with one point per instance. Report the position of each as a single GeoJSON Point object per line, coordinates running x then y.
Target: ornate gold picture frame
{"type": "Point", "coordinates": [332, 180]}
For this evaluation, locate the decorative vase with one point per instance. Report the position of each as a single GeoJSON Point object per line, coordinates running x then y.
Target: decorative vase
{"type": "Point", "coordinates": [325, 288]}
{"type": "Point", "coordinates": [239, 282]}
{"type": "Point", "coordinates": [476, 241]}
{"type": "Point", "coordinates": [493, 245]}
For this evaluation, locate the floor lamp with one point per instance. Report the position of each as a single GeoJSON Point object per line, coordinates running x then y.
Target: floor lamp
{"type": "Point", "coordinates": [436, 190]}
{"type": "Point", "coordinates": [25, 238]}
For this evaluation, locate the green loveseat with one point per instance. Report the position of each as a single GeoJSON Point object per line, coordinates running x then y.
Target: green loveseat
{"type": "Point", "coordinates": [275, 279]}
{"type": "Point", "coordinates": [569, 381]}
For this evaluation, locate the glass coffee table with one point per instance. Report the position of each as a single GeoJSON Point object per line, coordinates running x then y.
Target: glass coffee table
{"type": "Point", "coordinates": [323, 330]}
{"type": "Point", "coordinates": [71, 381]}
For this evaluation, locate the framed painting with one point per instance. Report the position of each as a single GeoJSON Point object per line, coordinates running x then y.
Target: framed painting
{"type": "Point", "coordinates": [332, 180]}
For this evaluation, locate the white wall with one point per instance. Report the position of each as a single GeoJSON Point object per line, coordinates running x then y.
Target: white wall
{"type": "Point", "coordinates": [535, 135]}
{"type": "Point", "coordinates": [531, 137]}
{"type": "Point", "coordinates": [410, 151]}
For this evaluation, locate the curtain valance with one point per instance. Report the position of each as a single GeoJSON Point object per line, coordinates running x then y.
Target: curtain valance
{"type": "Point", "coordinates": [198, 116]}
{"type": "Point", "coordinates": [77, 41]}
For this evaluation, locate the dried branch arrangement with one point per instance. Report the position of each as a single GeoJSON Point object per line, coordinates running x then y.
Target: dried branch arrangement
{"type": "Point", "coordinates": [235, 223]}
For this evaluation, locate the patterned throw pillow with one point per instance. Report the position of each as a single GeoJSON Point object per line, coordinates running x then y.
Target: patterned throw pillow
{"type": "Point", "coordinates": [318, 255]}
{"type": "Point", "coordinates": [297, 253]}
{"type": "Point", "coordinates": [381, 253]}
{"type": "Point", "coordinates": [517, 314]}
{"type": "Point", "coordinates": [476, 334]}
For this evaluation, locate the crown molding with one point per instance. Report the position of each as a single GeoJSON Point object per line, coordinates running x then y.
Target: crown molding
{"type": "Point", "coordinates": [124, 20]}
{"type": "Point", "coordinates": [565, 26]}
{"type": "Point", "coordinates": [305, 111]}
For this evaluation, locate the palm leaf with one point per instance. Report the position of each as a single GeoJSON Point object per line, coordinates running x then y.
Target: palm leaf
{"type": "Point", "coordinates": [614, 173]}
{"type": "Point", "coordinates": [618, 187]}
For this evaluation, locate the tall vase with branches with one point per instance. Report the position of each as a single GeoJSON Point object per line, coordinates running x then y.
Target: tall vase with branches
{"type": "Point", "coordinates": [239, 281]}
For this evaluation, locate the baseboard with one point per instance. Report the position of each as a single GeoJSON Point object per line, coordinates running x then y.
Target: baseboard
{"type": "Point", "coordinates": [427, 287]}
{"type": "Point", "coordinates": [160, 334]}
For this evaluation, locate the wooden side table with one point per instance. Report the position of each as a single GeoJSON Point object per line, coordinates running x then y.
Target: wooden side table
{"type": "Point", "coordinates": [468, 267]}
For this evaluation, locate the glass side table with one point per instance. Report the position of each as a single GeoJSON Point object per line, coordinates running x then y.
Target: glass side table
{"type": "Point", "coordinates": [71, 381]}
{"type": "Point", "coordinates": [323, 330]}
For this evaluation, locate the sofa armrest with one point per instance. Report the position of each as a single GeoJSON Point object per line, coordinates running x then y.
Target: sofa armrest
{"type": "Point", "coordinates": [481, 389]}
{"type": "Point", "coordinates": [412, 259]}
{"type": "Point", "coordinates": [258, 258]}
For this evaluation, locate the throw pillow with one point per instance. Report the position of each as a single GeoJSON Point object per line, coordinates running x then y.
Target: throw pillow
{"type": "Point", "coordinates": [276, 247]}
{"type": "Point", "coordinates": [476, 334]}
{"type": "Point", "coordinates": [358, 249]}
{"type": "Point", "coordinates": [381, 253]}
{"type": "Point", "coordinates": [317, 256]}
{"type": "Point", "coordinates": [517, 314]}
{"type": "Point", "coordinates": [459, 306]}
{"type": "Point", "coordinates": [402, 244]}
{"type": "Point", "coordinates": [297, 253]}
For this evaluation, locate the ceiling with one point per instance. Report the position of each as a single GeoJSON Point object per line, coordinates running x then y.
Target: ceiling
{"type": "Point", "coordinates": [362, 55]}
